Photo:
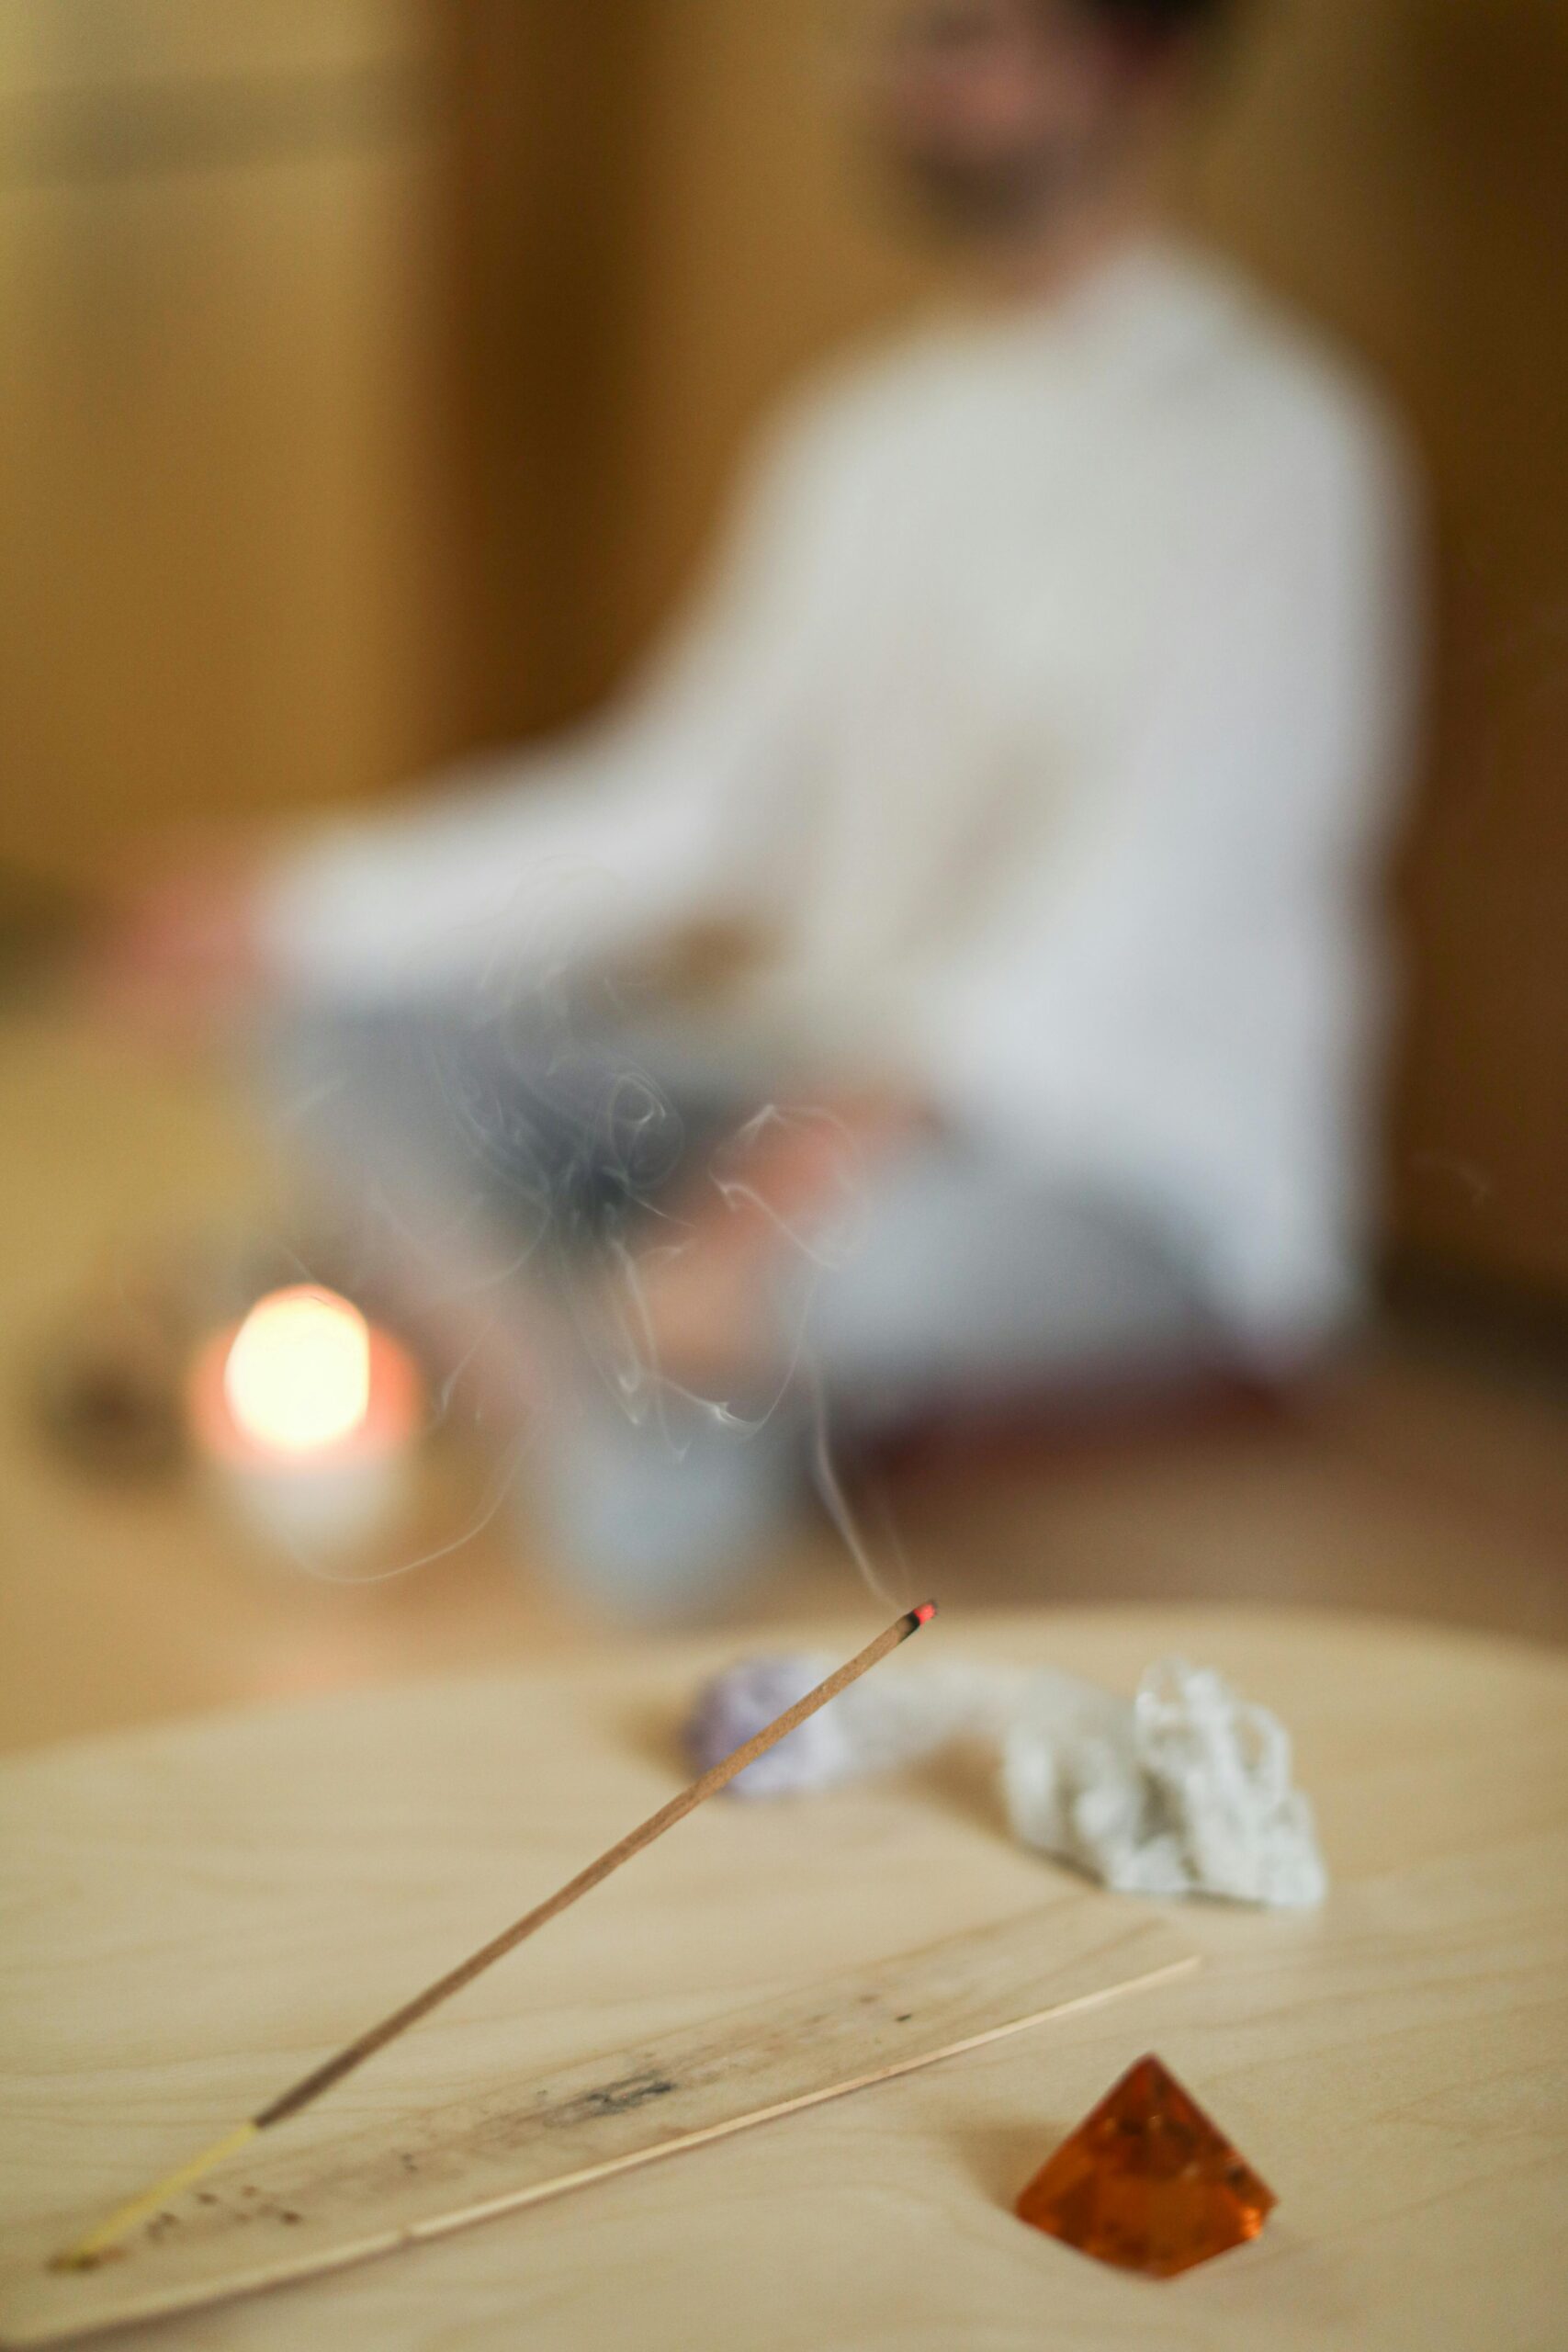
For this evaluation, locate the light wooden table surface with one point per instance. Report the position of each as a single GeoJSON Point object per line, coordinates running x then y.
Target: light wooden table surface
{"type": "Point", "coordinates": [197, 1909]}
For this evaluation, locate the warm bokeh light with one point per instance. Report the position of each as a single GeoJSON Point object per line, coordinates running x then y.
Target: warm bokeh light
{"type": "Point", "coordinates": [298, 1375]}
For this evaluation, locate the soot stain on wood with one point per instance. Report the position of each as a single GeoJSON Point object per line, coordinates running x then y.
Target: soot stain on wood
{"type": "Point", "coordinates": [622, 2098]}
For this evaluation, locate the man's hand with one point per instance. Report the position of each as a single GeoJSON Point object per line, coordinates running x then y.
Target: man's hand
{"type": "Point", "coordinates": [180, 952]}
{"type": "Point", "coordinates": [789, 1185]}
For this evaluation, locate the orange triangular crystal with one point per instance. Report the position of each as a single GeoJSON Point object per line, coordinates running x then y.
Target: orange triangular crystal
{"type": "Point", "coordinates": [1146, 2181]}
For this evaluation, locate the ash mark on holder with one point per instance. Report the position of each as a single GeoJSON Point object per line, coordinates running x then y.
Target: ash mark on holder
{"type": "Point", "coordinates": [620, 2097]}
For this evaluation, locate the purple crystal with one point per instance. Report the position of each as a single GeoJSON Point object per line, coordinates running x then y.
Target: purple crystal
{"type": "Point", "coordinates": [736, 1705]}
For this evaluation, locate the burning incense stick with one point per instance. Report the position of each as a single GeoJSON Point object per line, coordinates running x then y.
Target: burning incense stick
{"type": "Point", "coordinates": [101, 2241]}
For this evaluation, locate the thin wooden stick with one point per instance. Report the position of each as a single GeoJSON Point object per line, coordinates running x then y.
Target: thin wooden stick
{"type": "Point", "coordinates": [101, 2241]}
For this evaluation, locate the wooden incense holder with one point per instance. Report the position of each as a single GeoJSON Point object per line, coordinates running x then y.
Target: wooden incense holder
{"type": "Point", "coordinates": [300, 2209]}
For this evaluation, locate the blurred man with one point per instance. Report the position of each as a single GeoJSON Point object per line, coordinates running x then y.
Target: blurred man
{"type": "Point", "coordinates": [1013, 804]}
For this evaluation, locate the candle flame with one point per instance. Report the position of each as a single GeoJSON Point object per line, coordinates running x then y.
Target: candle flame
{"type": "Point", "coordinates": [298, 1375]}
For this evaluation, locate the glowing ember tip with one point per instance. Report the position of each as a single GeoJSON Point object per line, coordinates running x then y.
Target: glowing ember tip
{"type": "Point", "coordinates": [924, 1613]}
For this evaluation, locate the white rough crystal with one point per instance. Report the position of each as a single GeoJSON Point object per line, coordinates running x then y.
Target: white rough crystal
{"type": "Point", "coordinates": [1187, 1791]}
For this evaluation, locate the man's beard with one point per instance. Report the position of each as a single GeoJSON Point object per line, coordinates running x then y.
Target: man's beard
{"type": "Point", "coordinates": [971, 197]}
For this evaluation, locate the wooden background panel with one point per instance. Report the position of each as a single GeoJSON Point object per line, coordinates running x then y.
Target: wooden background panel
{"type": "Point", "coordinates": [1403, 170]}
{"type": "Point", "coordinates": [223, 583]}
{"type": "Point", "coordinates": [49, 47]}
{"type": "Point", "coordinates": [549, 122]}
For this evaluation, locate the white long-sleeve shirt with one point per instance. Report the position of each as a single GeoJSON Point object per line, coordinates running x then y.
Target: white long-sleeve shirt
{"type": "Point", "coordinates": [1047, 710]}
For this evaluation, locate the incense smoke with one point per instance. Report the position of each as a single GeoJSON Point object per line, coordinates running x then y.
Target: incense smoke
{"type": "Point", "coordinates": [530, 1173]}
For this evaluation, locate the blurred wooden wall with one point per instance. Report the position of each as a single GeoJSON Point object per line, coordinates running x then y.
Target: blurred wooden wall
{"type": "Point", "coordinates": [551, 124]}
{"type": "Point", "coordinates": [228, 579]}
{"type": "Point", "coordinates": [1400, 167]}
